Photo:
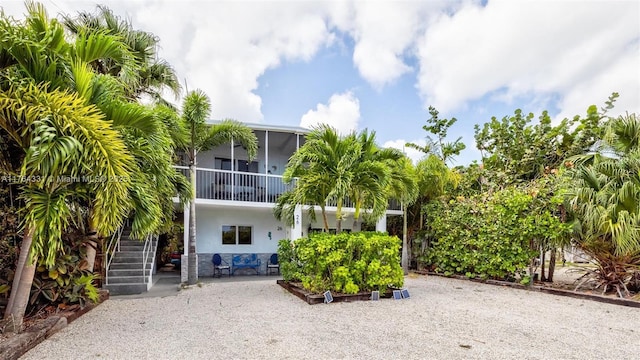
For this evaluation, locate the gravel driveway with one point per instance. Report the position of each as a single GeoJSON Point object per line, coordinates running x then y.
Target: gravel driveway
{"type": "Point", "coordinates": [443, 319]}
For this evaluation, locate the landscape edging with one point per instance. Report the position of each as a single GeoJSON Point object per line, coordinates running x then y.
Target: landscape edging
{"type": "Point", "coordinates": [312, 299]}
{"type": "Point", "coordinates": [16, 346]}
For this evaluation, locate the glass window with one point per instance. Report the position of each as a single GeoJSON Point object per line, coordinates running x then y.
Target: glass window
{"type": "Point", "coordinates": [236, 235]}
{"type": "Point", "coordinates": [228, 235]}
{"type": "Point", "coordinates": [223, 164]}
{"type": "Point", "coordinates": [244, 235]}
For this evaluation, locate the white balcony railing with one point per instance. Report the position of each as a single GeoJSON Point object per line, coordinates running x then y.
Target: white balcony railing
{"type": "Point", "coordinates": [214, 184]}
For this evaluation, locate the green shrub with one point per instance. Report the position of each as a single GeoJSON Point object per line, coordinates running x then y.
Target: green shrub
{"type": "Point", "coordinates": [289, 265]}
{"type": "Point", "coordinates": [68, 281]}
{"type": "Point", "coordinates": [346, 263]}
{"type": "Point", "coordinates": [486, 238]}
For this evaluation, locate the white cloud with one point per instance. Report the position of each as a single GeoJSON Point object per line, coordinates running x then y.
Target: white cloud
{"type": "Point", "coordinates": [574, 52]}
{"type": "Point", "coordinates": [224, 47]}
{"type": "Point", "coordinates": [342, 112]}
{"type": "Point", "coordinates": [383, 31]}
{"type": "Point", "coordinates": [581, 51]}
{"type": "Point", "coordinates": [413, 154]}
{"type": "Point", "coordinates": [221, 47]}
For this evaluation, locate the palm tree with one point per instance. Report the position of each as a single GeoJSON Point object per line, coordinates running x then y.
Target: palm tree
{"type": "Point", "coordinates": [202, 137]}
{"type": "Point", "coordinates": [434, 177]}
{"type": "Point", "coordinates": [331, 168]}
{"type": "Point", "coordinates": [403, 186]}
{"type": "Point", "coordinates": [605, 197]}
{"type": "Point", "coordinates": [323, 167]}
{"type": "Point", "coordinates": [63, 140]}
{"type": "Point", "coordinates": [38, 51]}
{"type": "Point", "coordinates": [371, 176]}
{"type": "Point", "coordinates": [136, 64]}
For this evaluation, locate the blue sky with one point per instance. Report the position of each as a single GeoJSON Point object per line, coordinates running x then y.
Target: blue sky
{"type": "Point", "coordinates": [380, 64]}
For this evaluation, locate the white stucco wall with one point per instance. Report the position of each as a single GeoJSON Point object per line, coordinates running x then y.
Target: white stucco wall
{"type": "Point", "coordinates": [347, 222]}
{"type": "Point", "coordinates": [209, 229]}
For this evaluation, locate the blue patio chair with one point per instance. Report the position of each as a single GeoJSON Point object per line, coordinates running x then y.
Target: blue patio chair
{"type": "Point", "coordinates": [273, 264]}
{"type": "Point", "coordinates": [219, 265]}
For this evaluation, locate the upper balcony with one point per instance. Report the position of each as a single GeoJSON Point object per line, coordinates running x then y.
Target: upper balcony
{"type": "Point", "coordinates": [225, 173]}
{"type": "Point", "coordinates": [214, 184]}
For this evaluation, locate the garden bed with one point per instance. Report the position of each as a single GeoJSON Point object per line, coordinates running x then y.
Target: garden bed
{"type": "Point", "coordinates": [312, 298]}
{"type": "Point", "coordinates": [37, 329]}
{"type": "Point", "coordinates": [586, 294]}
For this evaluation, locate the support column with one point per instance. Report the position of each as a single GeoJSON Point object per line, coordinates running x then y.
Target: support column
{"type": "Point", "coordinates": [296, 228]}
{"type": "Point", "coordinates": [184, 258]}
{"type": "Point", "coordinates": [381, 224]}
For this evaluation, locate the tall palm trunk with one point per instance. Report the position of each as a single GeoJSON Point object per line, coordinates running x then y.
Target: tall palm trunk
{"type": "Point", "coordinates": [552, 264]}
{"type": "Point", "coordinates": [356, 215]}
{"type": "Point", "coordinates": [543, 260]}
{"type": "Point", "coordinates": [324, 219]}
{"type": "Point", "coordinates": [91, 242]}
{"type": "Point", "coordinates": [192, 265]}
{"type": "Point", "coordinates": [405, 253]}
{"type": "Point", "coordinates": [339, 216]}
{"type": "Point", "coordinates": [21, 287]}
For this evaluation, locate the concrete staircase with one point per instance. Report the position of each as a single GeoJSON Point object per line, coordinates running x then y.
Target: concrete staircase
{"type": "Point", "coordinates": [125, 275]}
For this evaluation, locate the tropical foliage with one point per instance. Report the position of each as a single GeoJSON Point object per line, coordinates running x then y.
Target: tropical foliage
{"type": "Point", "coordinates": [80, 154]}
{"type": "Point", "coordinates": [605, 198]}
{"type": "Point", "coordinates": [68, 281]}
{"type": "Point", "coordinates": [344, 263]}
{"type": "Point", "coordinates": [440, 147]}
{"type": "Point", "coordinates": [134, 63]}
{"type": "Point", "coordinates": [577, 182]}
{"type": "Point", "coordinates": [194, 136]}
{"type": "Point", "coordinates": [489, 237]}
{"type": "Point", "coordinates": [329, 168]}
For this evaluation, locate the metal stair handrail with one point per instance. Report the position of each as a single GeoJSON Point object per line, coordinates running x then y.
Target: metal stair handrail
{"type": "Point", "coordinates": [146, 251]}
{"type": "Point", "coordinates": [112, 248]}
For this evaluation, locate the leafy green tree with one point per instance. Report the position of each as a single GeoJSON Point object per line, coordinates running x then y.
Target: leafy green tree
{"type": "Point", "coordinates": [439, 146]}
{"type": "Point", "coordinates": [35, 52]}
{"type": "Point", "coordinates": [198, 136]}
{"type": "Point", "coordinates": [515, 149]}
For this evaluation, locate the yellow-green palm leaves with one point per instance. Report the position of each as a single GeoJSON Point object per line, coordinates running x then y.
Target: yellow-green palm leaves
{"type": "Point", "coordinates": [330, 168]}
{"type": "Point", "coordinates": [69, 146]}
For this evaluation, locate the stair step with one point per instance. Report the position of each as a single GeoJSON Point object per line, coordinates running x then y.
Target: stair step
{"type": "Point", "coordinates": [131, 243]}
{"type": "Point", "coordinates": [137, 271]}
{"type": "Point", "coordinates": [131, 248]}
{"type": "Point", "coordinates": [126, 280]}
{"type": "Point", "coordinates": [128, 266]}
{"type": "Point", "coordinates": [126, 289]}
{"type": "Point", "coordinates": [134, 253]}
{"type": "Point", "coordinates": [126, 274]}
{"type": "Point", "coordinates": [127, 259]}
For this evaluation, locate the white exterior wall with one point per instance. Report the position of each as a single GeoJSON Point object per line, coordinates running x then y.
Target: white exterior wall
{"type": "Point", "coordinates": [347, 223]}
{"type": "Point", "coordinates": [209, 222]}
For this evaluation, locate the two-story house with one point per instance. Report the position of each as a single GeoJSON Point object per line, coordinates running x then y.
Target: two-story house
{"type": "Point", "coordinates": [235, 197]}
